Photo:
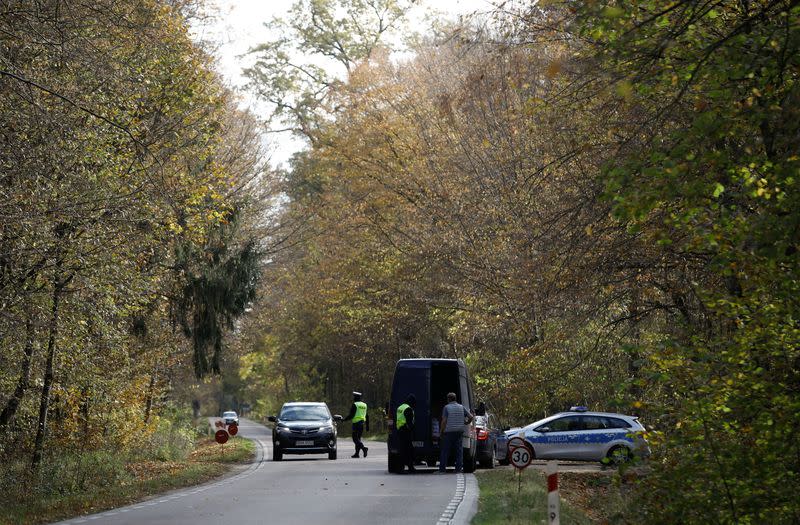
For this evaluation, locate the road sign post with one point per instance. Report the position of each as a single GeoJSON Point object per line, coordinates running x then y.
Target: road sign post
{"type": "Point", "coordinates": [553, 503]}
{"type": "Point", "coordinates": [520, 456]}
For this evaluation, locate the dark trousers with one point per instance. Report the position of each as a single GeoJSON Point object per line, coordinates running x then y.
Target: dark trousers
{"type": "Point", "coordinates": [358, 431]}
{"type": "Point", "coordinates": [451, 442]}
{"type": "Point", "coordinates": [406, 447]}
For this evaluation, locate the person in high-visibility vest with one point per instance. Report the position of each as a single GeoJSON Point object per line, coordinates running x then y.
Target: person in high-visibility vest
{"type": "Point", "coordinates": [358, 414]}
{"type": "Point", "coordinates": [404, 422]}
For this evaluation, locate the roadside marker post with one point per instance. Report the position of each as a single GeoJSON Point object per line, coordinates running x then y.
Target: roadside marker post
{"type": "Point", "coordinates": [553, 504]}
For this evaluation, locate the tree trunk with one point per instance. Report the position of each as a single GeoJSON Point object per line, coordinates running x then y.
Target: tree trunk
{"type": "Point", "coordinates": [149, 404]}
{"type": "Point", "coordinates": [10, 410]}
{"type": "Point", "coordinates": [44, 405]}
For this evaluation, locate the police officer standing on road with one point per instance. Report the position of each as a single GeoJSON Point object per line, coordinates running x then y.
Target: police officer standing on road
{"type": "Point", "coordinates": [454, 417]}
{"type": "Point", "coordinates": [405, 431]}
{"type": "Point", "coordinates": [358, 414]}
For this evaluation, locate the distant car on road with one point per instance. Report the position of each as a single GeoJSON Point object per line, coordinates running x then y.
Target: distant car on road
{"type": "Point", "coordinates": [304, 428]}
{"type": "Point", "coordinates": [583, 435]}
{"type": "Point", "coordinates": [230, 417]}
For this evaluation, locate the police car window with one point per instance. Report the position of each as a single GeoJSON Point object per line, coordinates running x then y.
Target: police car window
{"type": "Point", "coordinates": [564, 424]}
{"type": "Point", "coordinates": [613, 422]}
{"type": "Point", "coordinates": [594, 423]}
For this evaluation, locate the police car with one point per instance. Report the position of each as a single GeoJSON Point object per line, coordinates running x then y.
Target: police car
{"type": "Point", "coordinates": [586, 436]}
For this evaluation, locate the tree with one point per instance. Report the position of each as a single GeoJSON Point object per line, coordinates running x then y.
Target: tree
{"type": "Point", "coordinates": [322, 41]}
{"type": "Point", "coordinates": [708, 167]}
{"type": "Point", "coordinates": [119, 144]}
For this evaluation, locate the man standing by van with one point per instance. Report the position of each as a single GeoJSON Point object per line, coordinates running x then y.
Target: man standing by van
{"type": "Point", "coordinates": [405, 431]}
{"type": "Point", "coordinates": [454, 417]}
{"type": "Point", "coordinates": [358, 414]}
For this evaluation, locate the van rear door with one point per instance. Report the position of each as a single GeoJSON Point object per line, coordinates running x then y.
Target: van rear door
{"type": "Point", "coordinates": [413, 377]}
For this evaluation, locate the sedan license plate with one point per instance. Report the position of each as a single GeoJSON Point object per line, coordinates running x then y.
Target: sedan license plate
{"type": "Point", "coordinates": [304, 443]}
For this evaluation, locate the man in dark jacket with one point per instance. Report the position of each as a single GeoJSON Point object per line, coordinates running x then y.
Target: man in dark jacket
{"type": "Point", "coordinates": [405, 431]}
{"type": "Point", "coordinates": [358, 414]}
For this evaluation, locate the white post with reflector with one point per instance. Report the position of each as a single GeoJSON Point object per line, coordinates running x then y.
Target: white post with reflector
{"type": "Point", "coordinates": [553, 505]}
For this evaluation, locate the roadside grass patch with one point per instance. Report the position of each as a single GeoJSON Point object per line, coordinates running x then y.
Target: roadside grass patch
{"type": "Point", "coordinates": [500, 502]}
{"type": "Point", "coordinates": [74, 484]}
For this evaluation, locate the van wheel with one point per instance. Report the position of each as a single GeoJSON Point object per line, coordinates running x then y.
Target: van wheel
{"type": "Point", "coordinates": [332, 454]}
{"type": "Point", "coordinates": [395, 463]}
{"type": "Point", "coordinates": [469, 462]}
{"type": "Point", "coordinates": [277, 454]}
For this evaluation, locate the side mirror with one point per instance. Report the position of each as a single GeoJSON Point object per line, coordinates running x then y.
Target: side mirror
{"type": "Point", "coordinates": [272, 419]}
{"type": "Point", "coordinates": [542, 429]}
{"type": "Point", "coordinates": [337, 418]}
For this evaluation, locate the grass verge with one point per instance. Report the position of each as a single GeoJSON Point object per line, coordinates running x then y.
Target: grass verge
{"type": "Point", "coordinates": [501, 501]}
{"type": "Point", "coordinates": [138, 480]}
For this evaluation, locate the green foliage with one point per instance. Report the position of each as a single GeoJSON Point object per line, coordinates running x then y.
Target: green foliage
{"type": "Point", "coordinates": [121, 145]}
{"type": "Point", "coordinates": [712, 175]}
{"type": "Point", "coordinates": [172, 439]}
{"type": "Point", "coordinates": [219, 283]}
{"type": "Point", "coordinates": [295, 73]}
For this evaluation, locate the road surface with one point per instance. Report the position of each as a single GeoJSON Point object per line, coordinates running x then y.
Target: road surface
{"type": "Point", "coordinates": [307, 489]}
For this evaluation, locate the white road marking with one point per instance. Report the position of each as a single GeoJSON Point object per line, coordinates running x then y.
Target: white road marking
{"type": "Point", "coordinates": [458, 497]}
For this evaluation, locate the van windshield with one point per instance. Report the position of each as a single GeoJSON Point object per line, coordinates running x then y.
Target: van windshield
{"type": "Point", "coordinates": [304, 413]}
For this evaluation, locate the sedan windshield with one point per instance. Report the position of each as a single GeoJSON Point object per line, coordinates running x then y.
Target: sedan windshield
{"type": "Point", "coordinates": [229, 414]}
{"type": "Point", "coordinates": [304, 413]}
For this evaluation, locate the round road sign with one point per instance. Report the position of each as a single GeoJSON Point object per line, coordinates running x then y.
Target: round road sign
{"type": "Point", "coordinates": [233, 429]}
{"type": "Point", "coordinates": [520, 457]}
{"type": "Point", "coordinates": [221, 437]}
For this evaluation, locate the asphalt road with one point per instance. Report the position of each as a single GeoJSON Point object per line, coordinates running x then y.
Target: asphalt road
{"type": "Point", "coordinates": [308, 489]}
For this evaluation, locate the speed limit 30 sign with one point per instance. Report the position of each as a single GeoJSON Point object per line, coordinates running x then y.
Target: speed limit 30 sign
{"type": "Point", "coordinates": [521, 457]}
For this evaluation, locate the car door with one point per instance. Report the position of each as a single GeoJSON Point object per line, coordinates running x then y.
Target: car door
{"type": "Point", "coordinates": [594, 436]}
{"type": "Point", "coordinates": [557, 439]}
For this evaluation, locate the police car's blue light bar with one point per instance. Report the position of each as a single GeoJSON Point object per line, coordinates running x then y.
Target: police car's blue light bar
{"type": "Point", "coordinates": [578, 409]}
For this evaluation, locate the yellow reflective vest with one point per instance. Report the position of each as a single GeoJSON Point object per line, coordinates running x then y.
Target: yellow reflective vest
{"type": "Point", "coordinates": [361, 411]}
{"type": "Point", "coordinates": [401, 416]}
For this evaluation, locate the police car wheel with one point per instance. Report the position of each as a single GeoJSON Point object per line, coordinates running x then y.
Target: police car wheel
{"type": "Point", "coordinates": [619, 454]}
